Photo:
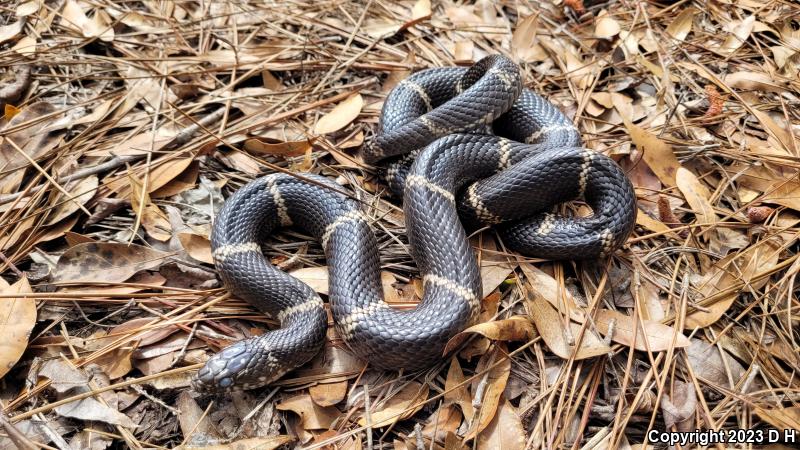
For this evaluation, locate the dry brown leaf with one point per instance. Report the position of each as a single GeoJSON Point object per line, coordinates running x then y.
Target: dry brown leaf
{"type": "Point", "coordinates": [755, 81]}
{"type": "Point", "coordinates": [697, 195]}
{"type": "Point", "coordinates": [193, 420]}
{"type": "Point", "coordinates": [11, 31]}
{"type": "Point", "coordinates": [524, 45]}
{"type": "Point", "coordinates": [28, 8]}
{"type": "Point", "coordinates": [682, 25]}
{"type": "Point", "coordinates": [340, 116]}
{"type": "Point", "coordinates": [517, 328]}
{"type": "Point", "coordinates": [328, 394]}
{"type": "Point", "coordinates": [656, 153]}
{"type": "Point", "coordinates": [197, 246]}
{"type": "Point", "coordinates": [458, 395]}
{"type": "Point", "coordinates": [288, 148]}
{"type": "Point", "coordinates": [312, 416]}
{"type": "Point", "coordinates": [105, 262]}
{"type": "Point", "coordinates": [739, 32]}
{"type": "Point", "coordinates": [659, 336]}
{"type": "Point", "coordinates": [781, 418]}
{"type": "Point", "coordinates": [25, 46]}
{"type": "Point", "coordinates": [160, 175]}
{"type": "Point", "coordinates": [79, 194]}
{"type": "Point", "coordinates": [728, 272]}
{"type": "Point", "coordinates": [74, 18]}
{"type": "Point", "coordinates": [494, 384]}
{"type": "Point", "coordinates": [550, 325]}
{"type": "Point", "coordinates": [605, 26]}
{"type": "Point", "coordinates": [154, 221]}
{"type": "Point", "coordinates": [399, 406]}
{"type": "Point", "coordinates": [504, 432]}
{"type": "Point", "coordinates": [17, 319]}
{"type": "Point", "coordinates": [495, 267]}
{"type": "Point", "coordinates": [546, 287]}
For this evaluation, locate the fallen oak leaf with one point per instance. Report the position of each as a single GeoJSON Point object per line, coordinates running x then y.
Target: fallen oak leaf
{"type": "Point", "coordinates": [17, 319]}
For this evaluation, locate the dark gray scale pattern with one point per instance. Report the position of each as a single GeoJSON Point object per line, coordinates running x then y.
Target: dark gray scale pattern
{"type": "Point", "coordinates": [455, 172]}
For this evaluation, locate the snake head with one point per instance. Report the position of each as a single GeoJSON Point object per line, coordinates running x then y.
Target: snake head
{"type": "Point", "coordinates": [235, 368]}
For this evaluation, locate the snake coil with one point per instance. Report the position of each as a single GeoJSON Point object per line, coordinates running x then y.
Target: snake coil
{"type": "Point", "coordinates": [466, 145]}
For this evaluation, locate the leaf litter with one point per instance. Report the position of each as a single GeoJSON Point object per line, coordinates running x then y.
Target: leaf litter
{"type": "Point", "coordinates": [126, 124]}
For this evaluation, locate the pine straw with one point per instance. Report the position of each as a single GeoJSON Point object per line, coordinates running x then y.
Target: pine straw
{"type": "Point", "coordinates": [704, 122]}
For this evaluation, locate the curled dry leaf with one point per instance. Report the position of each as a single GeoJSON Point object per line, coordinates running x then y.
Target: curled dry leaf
{"type": "Point", "coordinates": [517, 328]}
{"type": "Point", "coordinates": [105, 262]}
{"type": "Point", "coordinates": [17, 319]}
{"type": "Point", "coordinates": [739, 32]}
{"type": "Point", "coordinates": [197, 246]}
{"type": "Point", "coordinates": [605, 26]}
{"type": "Point", "coordinates": [341, 115]}
{"type": "Point", "coordinates": [11, 31]}
{"type": "Point", "coordinates": [402, 405]}
{"type": "Point", "coordinates": [328, 394]}
{"type": "Point", "coordinates": [312, 416]}
{"type": "Point", "coordinates": [98, 26]}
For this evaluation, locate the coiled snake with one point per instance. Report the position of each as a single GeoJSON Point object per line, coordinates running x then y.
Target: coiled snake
{"type": "Point", "coordinates": [483, 149]}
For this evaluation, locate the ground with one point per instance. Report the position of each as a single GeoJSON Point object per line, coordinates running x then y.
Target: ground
{"type": "Point", "coordinates": [126, 124]}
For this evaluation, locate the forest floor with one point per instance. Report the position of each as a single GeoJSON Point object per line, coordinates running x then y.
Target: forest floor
{"type": "Point", "coordinates": [126, 124]}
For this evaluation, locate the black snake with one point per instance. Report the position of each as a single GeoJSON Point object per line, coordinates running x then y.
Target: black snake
{"type": "Point", "coordinates": [485, 150]}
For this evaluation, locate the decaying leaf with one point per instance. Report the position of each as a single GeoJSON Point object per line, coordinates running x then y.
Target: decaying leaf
{"type": "Point", "coordinates": [105, 262]}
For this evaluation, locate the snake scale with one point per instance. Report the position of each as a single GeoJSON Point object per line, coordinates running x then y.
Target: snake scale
{"type": "Point", "coordinates": [466, 147]}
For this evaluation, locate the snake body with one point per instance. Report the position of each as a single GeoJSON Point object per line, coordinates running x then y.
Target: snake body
{"type": "Point", "coordinates": [483, 150]}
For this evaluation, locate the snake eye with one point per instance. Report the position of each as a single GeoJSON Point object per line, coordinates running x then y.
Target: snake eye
{"type": "Point", "coordinates": [226, 382]}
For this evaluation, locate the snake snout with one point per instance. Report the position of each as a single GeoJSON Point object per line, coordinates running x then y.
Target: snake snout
{"type": "Point", "coordinates": [232, 369]}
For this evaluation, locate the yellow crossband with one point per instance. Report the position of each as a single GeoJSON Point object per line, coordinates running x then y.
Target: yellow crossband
{"type": "Point", "coordinates": [311, 303]}
{"type": "Point", "coordinates": [280, 205]}
{"type": "Point", "coordinates": [506, 78]}
{"type": "Point", "coordinates": [483, 213]}
{"type": "Point", "coordinates": [419, 180]}
{"type": "Point", "coordinates": [451, 286]}
{"type": "Point", "coordinates": [226, 251]}
{"type": "Point", "coordinates": [435, 129]}
{"type": "Point", "coordinates": [547, 225]}
{"type": "Point", "coordinates": [349, 217]}
{"type": "Point", "coordinates": [607, 241]}
{"type": "Point", "coordinates": [544, 130]}
{"type": "Point", "coordinates": [420, 92]}
{"type": "Point", "coordinates": [583, 178]}
{"type": "Point", "coordinates": [505, 154]}
{"type": "Point", "coordinates": [351, 321]}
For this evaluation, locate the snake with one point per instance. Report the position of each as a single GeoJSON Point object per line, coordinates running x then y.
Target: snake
{"type": "Point", "coordinates": [466, 147]}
